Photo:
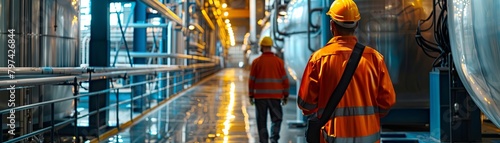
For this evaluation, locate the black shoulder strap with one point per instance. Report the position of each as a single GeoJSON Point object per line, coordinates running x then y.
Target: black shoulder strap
{"type": "Point", "coordinates": [339, 91]}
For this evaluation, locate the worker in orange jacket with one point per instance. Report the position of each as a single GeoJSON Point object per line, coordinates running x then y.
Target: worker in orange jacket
{"type": "Point", "coordinates": [268, 88]}
{"type": "Point", "coordinates": [369, 95]}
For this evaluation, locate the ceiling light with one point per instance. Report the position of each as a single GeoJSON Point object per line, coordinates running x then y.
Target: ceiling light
{"type": "Point", "coordinates": [282, 10]}
{"type": "Point", "coordinates": [224, 5]}
{"type": "Point", "coordinates": [226, 13]}
{"type": "Point", "coordinates": [191, 27]}
{"type": "Point", "coordinates": [227, 21]}
{"type": "Point", "coordinates": [282, 13]}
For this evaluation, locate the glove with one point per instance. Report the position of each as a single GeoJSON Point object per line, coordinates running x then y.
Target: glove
{"type": "Point", "coordinates": [284, 101]}
{"type": "Point", "coordinates": [252, 101]}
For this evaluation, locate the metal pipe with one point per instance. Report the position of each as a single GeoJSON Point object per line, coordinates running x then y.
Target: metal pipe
{"type": "Point", "coordinates": [194, 44]}
{"type": "Point", "coordinates": [275, 25]}
{"type": "Point", "coordinates": [187, 20]}
{"type": "Point", "coordinates": [198, 27]}
{"type": "Point", "coordinates": [309, 27]}
{"type": "Point", "coordinates": [174, 44]}
{"type": "Point", "coordinates": [169, 51]}
{"type": "Point", "coordinates": [169, 41]}
{"type": "Point", "coordinates": [208, 20]}
{"type": "Point", "coordinates": [161, 8]}
{"type": "Point", "coordinates": [78, 70]}
{"type": "Point", "coordinates": [95, 76]}
{"type": "Point", "coordinates": [164, 55]}
{"type": "Point", "coordinates": [160, 61]}
{"type": "Point", "coordinates": [253, 26]}
{"type": "Point", "coordinates": [144, 25]}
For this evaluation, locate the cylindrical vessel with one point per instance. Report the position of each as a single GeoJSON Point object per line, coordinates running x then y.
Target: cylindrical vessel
{"type": "Point", "coordinates": [475, 45]}
{"type": "Point", "coordinates": [46, 34]}
{"type": "Point", "coordinates": [390, 27]}
{"type": "Point", "coordinates": [296, 47]}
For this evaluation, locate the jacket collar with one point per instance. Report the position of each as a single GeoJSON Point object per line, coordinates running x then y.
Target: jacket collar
{"type": "Point", "coordinates": [268, 53]}
{"type": "Point", "coordinates": [343, 40]}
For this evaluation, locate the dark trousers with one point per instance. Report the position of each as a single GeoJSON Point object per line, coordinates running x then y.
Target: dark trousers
{"type": "Point", "coordinates": [274, 107]}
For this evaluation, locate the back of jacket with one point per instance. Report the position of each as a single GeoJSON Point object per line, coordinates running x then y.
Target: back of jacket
{"type": "Point", "coordinates": [268, 79]}
{"type": "Point", "coordinates": [369, 96]}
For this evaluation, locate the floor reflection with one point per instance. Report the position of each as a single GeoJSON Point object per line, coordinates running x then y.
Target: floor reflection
{"type": "Point", "coordinates": [214, 111]}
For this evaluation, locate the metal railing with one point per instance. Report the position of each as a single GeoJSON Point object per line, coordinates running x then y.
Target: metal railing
{"type": "Point", "coordinates": [174, 78]}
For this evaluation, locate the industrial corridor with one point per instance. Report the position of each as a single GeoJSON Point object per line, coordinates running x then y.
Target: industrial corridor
{"type": "Point", "coordinates": [216, 110]}
{"type": "Point", "coordinates": [249, 71]}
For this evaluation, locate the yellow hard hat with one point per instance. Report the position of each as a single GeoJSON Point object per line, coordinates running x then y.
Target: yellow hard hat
{"type": "Point", "coordinates": [344, 11]}
{"type": "Point", "coordinates": [266, 41]}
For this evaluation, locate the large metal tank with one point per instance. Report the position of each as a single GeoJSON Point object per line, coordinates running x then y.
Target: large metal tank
{"type": "Point", "coordinates": [389, 26]}
{"type": "Point", "coordinates": [296, 48]}
{"type": "Point", "coordinates": [46, 35]}
{"type": "Point", "coordinates": [475, 42]}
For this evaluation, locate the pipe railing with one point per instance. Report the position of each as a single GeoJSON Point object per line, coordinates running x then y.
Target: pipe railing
{"type": "Point", "coordinates": [95, 76]}
{"type": "Point", "coordinates": [161, 8]}
{"type": "Point", "coordinates": [71, 70]}
{"type": "Point", "coordinates": [164, 55]}
{"type": "Point", "coordinates": [198, 27]}
{"type": "Point", "coordinates": [197, 45]}
{"type": "Point", "coordinates": [208, 20]}
{"type": "Point", "coordinates": [186, 74]}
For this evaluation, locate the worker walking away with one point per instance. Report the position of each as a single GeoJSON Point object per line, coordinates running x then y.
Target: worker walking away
{"type": "Point", "coordinates": [368, 95]}
{"type": "Point", "coordinates": [268, 90]}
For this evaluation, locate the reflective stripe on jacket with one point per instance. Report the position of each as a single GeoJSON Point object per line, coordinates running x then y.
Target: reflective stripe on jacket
{"type": "Point", "coordinates": [268, 78]}
{"type": "Point", "coordinates": [369, 96]}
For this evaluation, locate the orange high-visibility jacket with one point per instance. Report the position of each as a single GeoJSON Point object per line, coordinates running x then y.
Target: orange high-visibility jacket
{"type": "Point", "coordinates": [268, 79]}
{"type": "Point", "coordinates": [369, 96]}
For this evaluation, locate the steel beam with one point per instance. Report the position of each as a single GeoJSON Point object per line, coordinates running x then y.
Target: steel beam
{"type": "Point", "coordinates": [99, 51]}
{"type": "Point", "coordinates": [326, 34]}
{"type": "Point", "coordinates": [140, 41]}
